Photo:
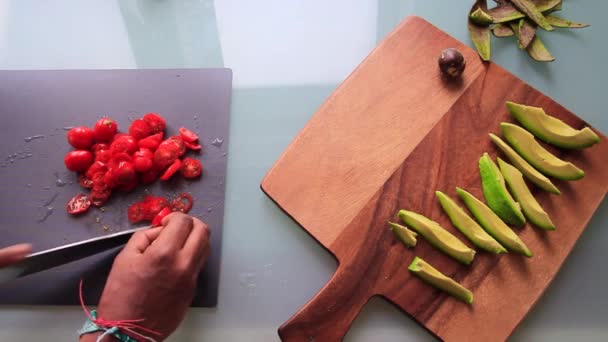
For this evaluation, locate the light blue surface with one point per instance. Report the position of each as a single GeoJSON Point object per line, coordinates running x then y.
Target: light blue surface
{"type": "Point", "coordinates": [287, 57]}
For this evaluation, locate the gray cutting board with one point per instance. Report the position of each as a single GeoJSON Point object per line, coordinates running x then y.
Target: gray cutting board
{"type": "Point", "coordinates": [32, 173]}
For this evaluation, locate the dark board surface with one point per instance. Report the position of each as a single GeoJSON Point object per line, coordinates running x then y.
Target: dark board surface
{"type": "Point", "coordinates": [33, 178]}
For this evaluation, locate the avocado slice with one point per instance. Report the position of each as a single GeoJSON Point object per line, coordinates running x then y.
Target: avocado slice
{"type": "Point", "coordinates": [524, 167]}
{"type": "Point", "coordinates": [524, 143]}
{"type": "Point", "coordinates": [437, 236]}
{"type": "Point", "coordinates": [552, 130]}
{"type": "Point", "coordinates": [467, 226]}
{"type": "Point", "coordinates": [493, 224]}
{"type": "Point", "coordinates": [533, 211]}
{"type": "Point", "coordinates": [496, 193]}
{"type": "Point", "coordinates": [432, 276]}
{"type": "Point", "coordinates": [404, 234]}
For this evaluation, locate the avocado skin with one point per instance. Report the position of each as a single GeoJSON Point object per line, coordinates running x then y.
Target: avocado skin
{"type": "Point", "coordinates": [496, 194]}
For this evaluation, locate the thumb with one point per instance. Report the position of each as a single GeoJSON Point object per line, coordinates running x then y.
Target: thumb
{"type": "Point", "coordinates": [13, 254]}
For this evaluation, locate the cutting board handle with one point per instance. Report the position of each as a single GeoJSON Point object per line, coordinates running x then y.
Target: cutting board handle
{"type": "Point", "coordinates": [329, 315]}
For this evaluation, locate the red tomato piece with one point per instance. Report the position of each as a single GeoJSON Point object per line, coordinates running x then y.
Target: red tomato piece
{"type": "Point", "coordinates": [100, 197]}
{"type": "Point", "coordinates": [81, 137]}
{"type": "Point", "coordinates": [110, 178]}
{"type": "Point", "coordinates": [152, 141]}
{"type": "Point", "coordinates": [103, 156]}
{"type": "Point", "coordinates": [171, 170]}
{"type": "Point", "coordinates": [136, 212]}
{"type": "Point", "coordinates": [156, 122]}
{"type": "Point", "coordinates": [142, 164]}
{"type": "Point", "coordinates": [100, 147]}
{"type": "Point", "coordinates": [180, 144]}
{"type": "Point", "coordinates": [118, 135]}
{"type": "Point", "coordinates": [140, 129]}
{"type": "Point", "coordinates": [191, 168]}
{"type": "Point", "coordinates": [78, 161]}
{"type": "Point", "coordinates": [124, 144]}
{"type": "Point", "coordinates": [125, 173]}
{"type": "Point", "coordinates": [85, 182]}
{"type": "Point", "coordinates": [150, 176]}
{"type": "Point", "coordinates": [129, 186]}
{"type": "Point", "coordinates": [188, 135]}
{"type": "Point", "coordinates": [160, 216]}
{"type": "Point", "coordinates": [144, 153]}
{"type": "Point", "coordinates": [183, 202]}
{"type": "Point", "coordinates": [193, 146]}
{"type": "Point", "coordinates": [165, 156]}
{"type": "Point", "coordinates": [95, 168]}
{"type": "Point", "coordinates": [105, 129]}
{"type": "Point", "coordinates": [99, 183]}
{"type": "Point", "coordinates": [78, 204]}
{"type": "Point", "coordinates": [153, 205]}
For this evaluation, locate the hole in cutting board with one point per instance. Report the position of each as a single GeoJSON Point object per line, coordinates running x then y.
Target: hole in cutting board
{"type": "Point", "coordinates": [381, 321]}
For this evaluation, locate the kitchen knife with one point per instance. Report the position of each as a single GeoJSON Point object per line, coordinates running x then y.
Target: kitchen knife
{"type": "Point", "coordinates": [65, 254]}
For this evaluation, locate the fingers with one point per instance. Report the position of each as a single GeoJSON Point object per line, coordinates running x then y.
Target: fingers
{"type": "Point", "coordinates": [196, 247]}
{"type": "Point", "coordinates": [13, 254]}
{"type": "Point", "coordinates": [141, 240]}
{"type": "Point", "coordinates": [177, 228]}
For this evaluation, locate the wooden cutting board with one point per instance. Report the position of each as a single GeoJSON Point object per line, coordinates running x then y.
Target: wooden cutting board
{"type": "Point", "coordinates": [386, 139]}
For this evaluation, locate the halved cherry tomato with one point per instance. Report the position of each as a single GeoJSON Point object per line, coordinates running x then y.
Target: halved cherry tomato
{"type": "Point", "coordinates": [78, 161]}
{"type": "Point", "coordinates": [110, 178]}
{"type": "Point", "coordinates": [143, 153]}
{"type": "Point", "coordinates": [152, 141]}
{"type": "Point", "coordinates": [191, 168]}
{"type": "Point", "coordinates": [171, 170]}
{"type": "Point", "coordinates": [81, 137]}
{"type": "Point", "coordinates": [153, 205]}
{"type": "Point", "coordinates": [160, 216]}
{"type": "Point", "coordinates": [100, 197]}
{"type": "Point", "coordinates": [85, 182]}
{"type": "Point", "coordinates": [117, 135]}
{"type": "Point", "coordinates": [78, 204]}
{"type": "Point", "coordinates": [150, 176]}
{"type": "Point", "coordinates": [100, 147]}
{"type": "Point", "coordinates": [188, 135]}
{"type": "Point", "coordinates": [124, 144]}
{"type": "Point", "coordinates": [165, 156]}
{"type": "Point", "coordinates": [136, 212]}
{"type": "Point", "coordinates": [125, 173]}
{"type": "Point", "coordinates": [140, 129]}
{"type": "Point", "coordinates": [95, 168]}
{"type": "Point", "coordinates": [99, 183]}
{"type": "Point", "coordinates": [193, 146]}
{"type": "Point", "coordinates": [183, 202]}
{"type": "Point", "coordinates": [105, 129]}
{"type": "Point", "coordinates": [103, 156]}
{"type": "Point", "coordinates": [143, 165]}
{"type": "Point", "coordinates": [156, 122]}
{"type": "Point", "coordinates": [180, 144]}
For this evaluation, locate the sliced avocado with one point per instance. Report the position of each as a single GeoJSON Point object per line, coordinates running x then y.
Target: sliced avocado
{"type": "Point", "coordinates": [524, 143]}
{"type": "Point", "coordinates": [533, 211]}
{"type": "Point", "coordinates": [468, 226]}
{"type": "Point", "coordinates": [437, 279]}
{"type": "Point", "coordinates": [493, 224]}
{"type": "Point", "coordinates": [437, 236]}
{"type": "Point", "coordinates": [404, 235]}
{"type": "Point", "coordinates": [496, 193]}
{"type": "Point", "coordinates": [552, 130]}
{"type": "Point", "coordinates": [524, 167]}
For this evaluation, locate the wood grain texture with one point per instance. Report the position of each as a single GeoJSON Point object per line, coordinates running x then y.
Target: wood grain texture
{"type": "Point", "coordinates": [371, 261]}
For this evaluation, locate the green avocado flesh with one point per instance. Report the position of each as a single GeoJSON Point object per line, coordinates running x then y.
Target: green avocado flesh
{"type": "Point", "coordinates": [524, 167]}
{"type": "Point", "coordinates": [404, 235]}
{"type": "Point", "coordinates": [438, 236]}
{"type": "Point", "coordinates": [533, 211]}
{"type": "Point", "coordinates": [467, 226]}
{"type": "Point", "coordinates": [524, 143]}
{"type": "Point", "coordinates": [551, 130]}
{"type": "Point", "coordinates": [493, 224]}
{"type": "Point", "coordinates": [496, 193]}
{"type": "Point", "coordinates": [432, 276]}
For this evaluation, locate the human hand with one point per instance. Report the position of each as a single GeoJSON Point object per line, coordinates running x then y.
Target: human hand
{"type": "Point", "coordinates": [13, 254]}
{"type": "Point", "coordinates": [155, 275]}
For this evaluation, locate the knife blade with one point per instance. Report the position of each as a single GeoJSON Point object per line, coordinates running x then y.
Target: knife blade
{"type": "Point", "coordinates": [50, 258]}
